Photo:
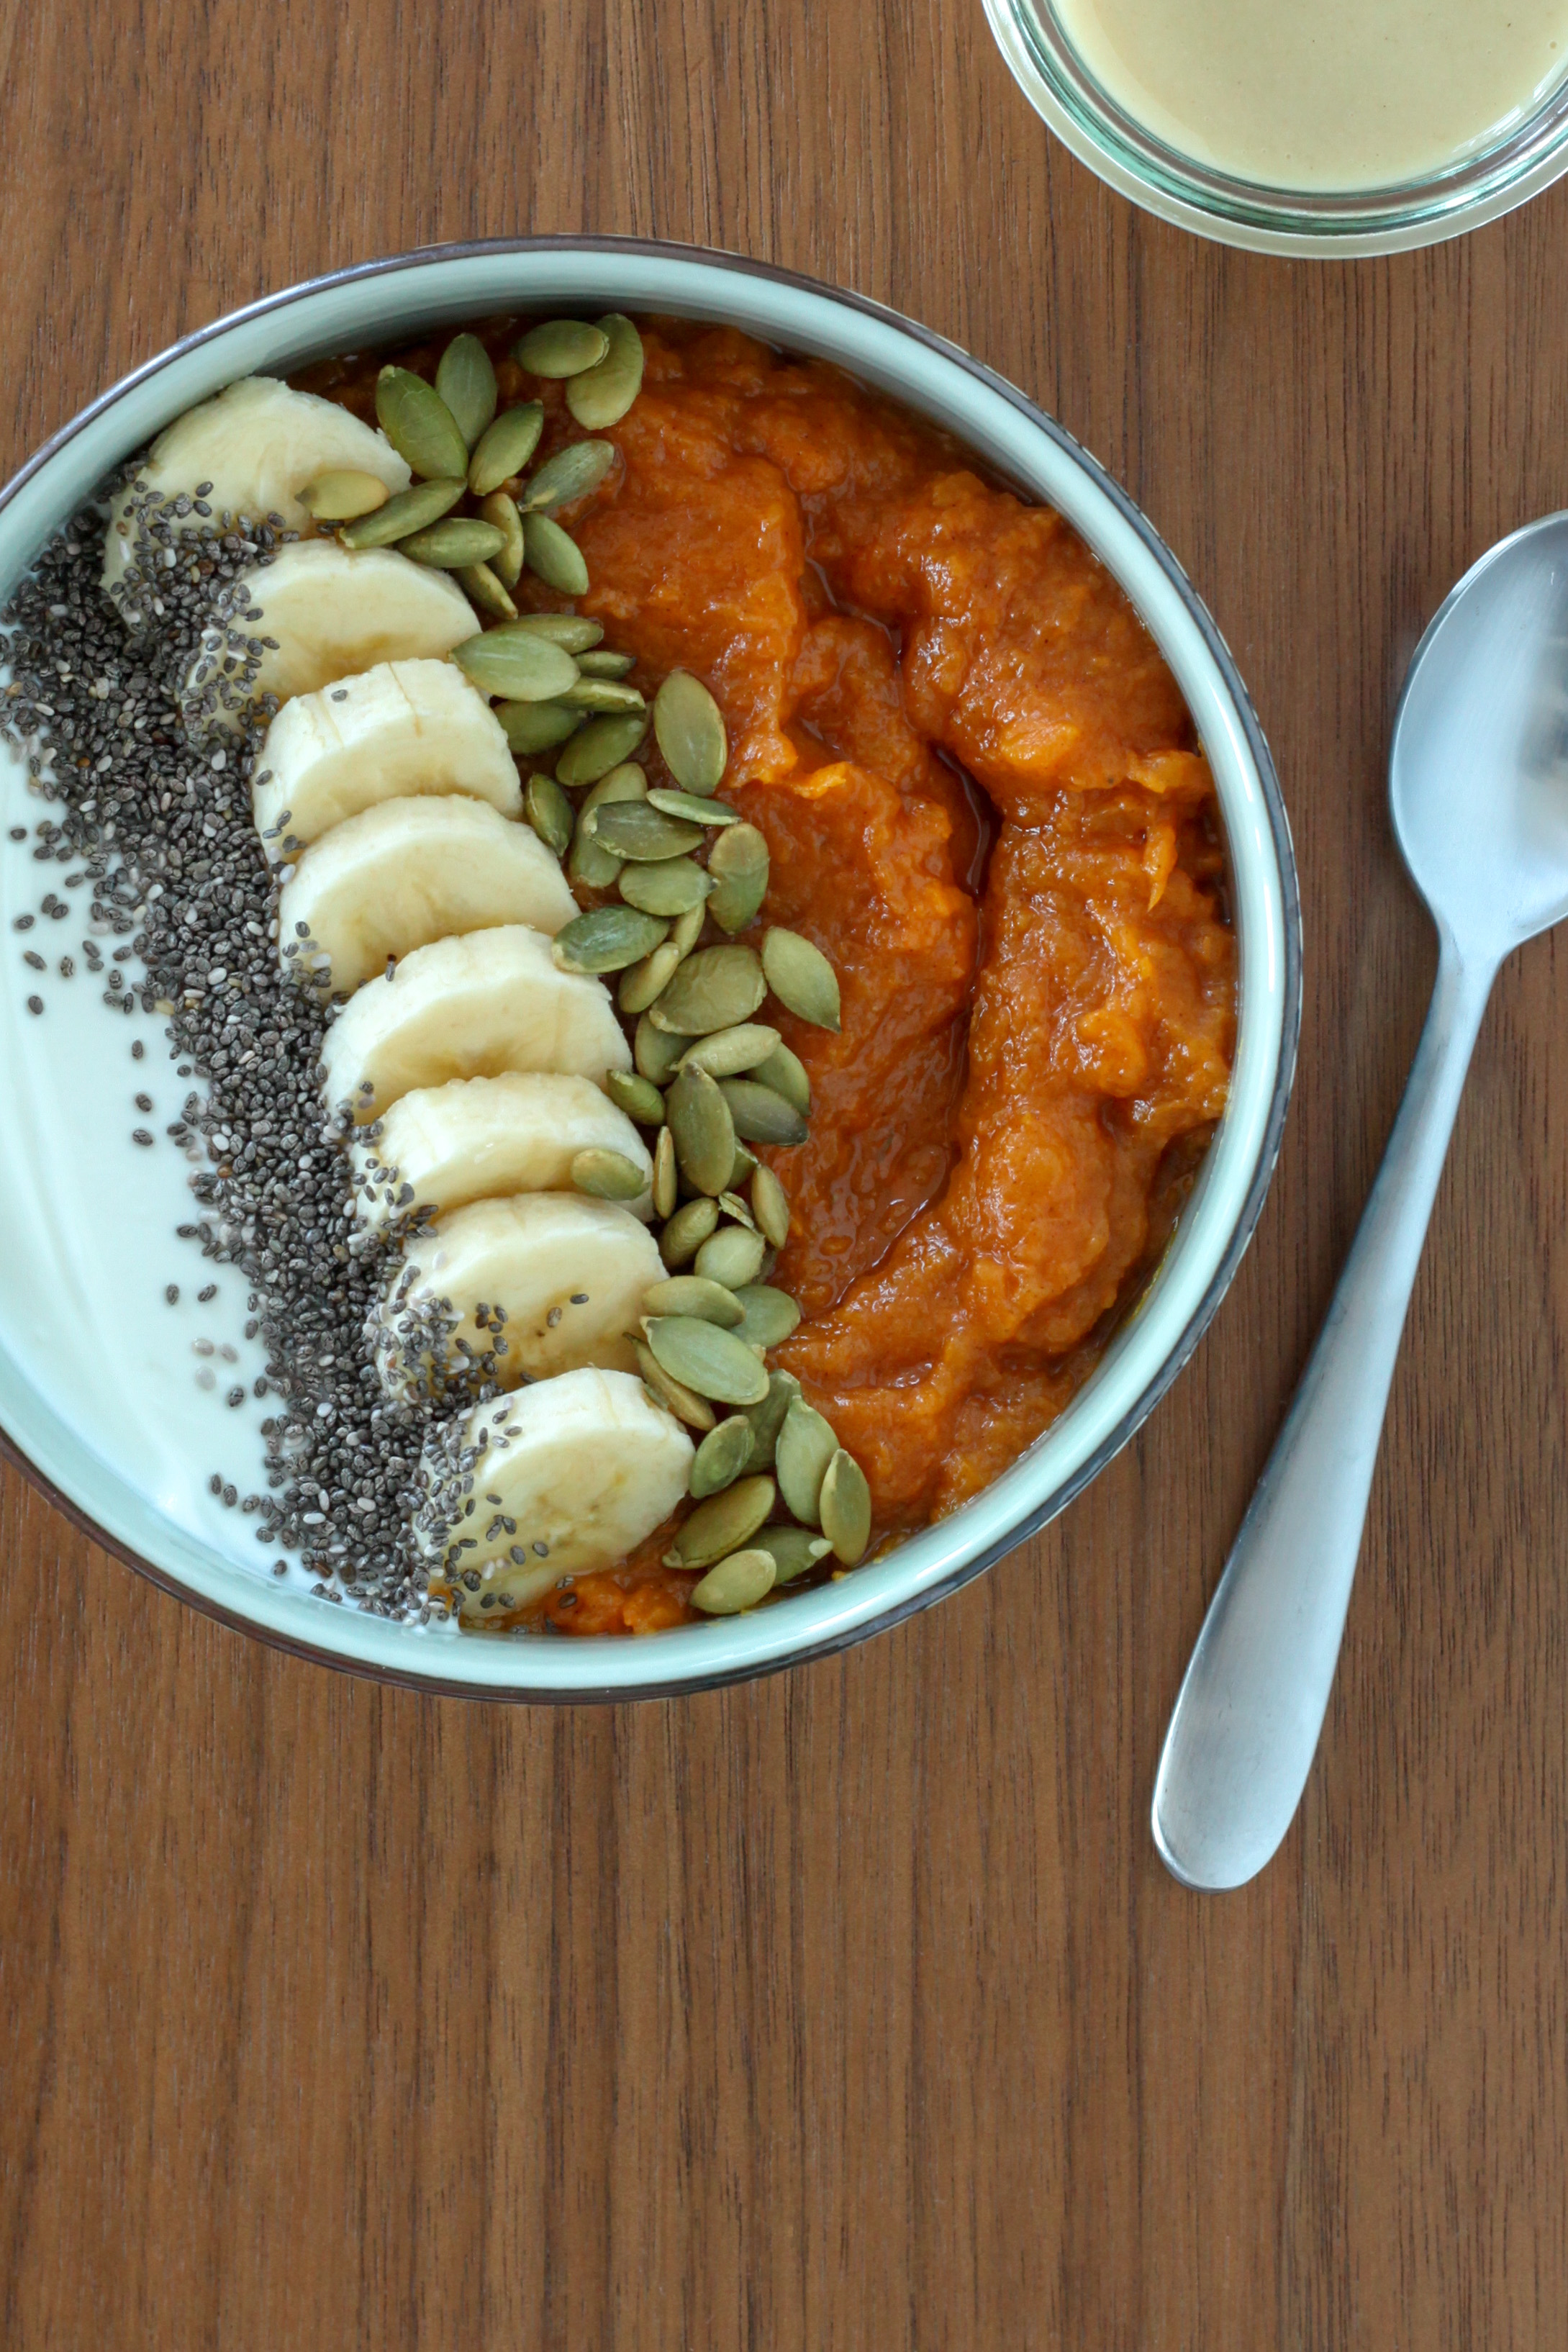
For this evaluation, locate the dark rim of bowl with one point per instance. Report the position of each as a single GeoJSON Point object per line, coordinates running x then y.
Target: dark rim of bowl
{"type": "Point", "coordinates": [1032, 1521]}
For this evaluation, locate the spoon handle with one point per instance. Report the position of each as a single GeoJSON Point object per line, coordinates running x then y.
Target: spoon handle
{"type": "Point", "coordinates": [1251, 1706]}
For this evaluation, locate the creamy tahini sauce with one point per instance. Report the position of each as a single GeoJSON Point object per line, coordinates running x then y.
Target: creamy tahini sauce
{"type": "Point", "coordinates": [1323, 94]}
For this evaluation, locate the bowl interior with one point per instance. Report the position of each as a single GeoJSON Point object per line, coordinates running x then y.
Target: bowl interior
{"type": "Point", "coordinates": [96, 1369]}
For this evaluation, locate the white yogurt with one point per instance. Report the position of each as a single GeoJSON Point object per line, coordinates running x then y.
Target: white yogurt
{"type": "Point", "coordinates": [1323, 94]}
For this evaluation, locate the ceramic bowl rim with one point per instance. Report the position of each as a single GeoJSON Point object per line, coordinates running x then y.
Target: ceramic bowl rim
{"type": "Point", "coordinates": [326, 1644]}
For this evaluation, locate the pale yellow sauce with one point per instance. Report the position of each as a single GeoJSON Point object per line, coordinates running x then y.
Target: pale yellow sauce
{"type": "Point", "coordinates": [1323, 94]}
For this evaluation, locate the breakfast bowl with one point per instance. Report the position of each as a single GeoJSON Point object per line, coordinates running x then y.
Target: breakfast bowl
{"type": "Point", "coordinates": [99, 1326]}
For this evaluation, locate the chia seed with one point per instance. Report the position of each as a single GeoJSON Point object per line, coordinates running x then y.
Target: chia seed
{"type": "Point", "coordinates": [114, 703]}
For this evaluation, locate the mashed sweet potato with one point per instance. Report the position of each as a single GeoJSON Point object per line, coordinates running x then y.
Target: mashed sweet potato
{"type": "Point", "coordinates": [984, 801]}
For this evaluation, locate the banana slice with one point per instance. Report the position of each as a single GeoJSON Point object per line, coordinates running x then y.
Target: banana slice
{"type": "Point", "coordinates": [330, 611]}
{"type": "Point", "coordinates": [468, 1008]}
{"type": "Point", "coordinates": [397, 877]}
{"type": "Point", "coordinates": [562, 1478]}
{"type": "Point", "coordinates": [566, 1272]}
{"type": "Point", "coordinates": [400, 729]}
{"type": "Point", "coordinates": [481, 1138]}
{"type": "Point", "coordinates": [258, 444]}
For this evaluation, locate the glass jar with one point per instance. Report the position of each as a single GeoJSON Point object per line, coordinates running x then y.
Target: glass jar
{"type": "Point", "coordinates": [1525, 158]}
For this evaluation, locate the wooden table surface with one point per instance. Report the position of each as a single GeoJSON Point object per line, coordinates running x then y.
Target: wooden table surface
{"type": "Point", "coordinates": [852, 2009]}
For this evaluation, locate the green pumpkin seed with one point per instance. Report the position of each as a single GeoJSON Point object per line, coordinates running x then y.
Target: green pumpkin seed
{"type": "Point", "coordinates": [801, 978]}
{"type": "Point", "coordinates": [571, 630]}
{"type": "Point", "coordinates": [732, 1255]}
{"type": "Point", "coordinates": [745, 1165]}
{"type": "Point", "coordinates": [450, 546]}
{"type": "Point", "coordinates": [411, 510]}
{"type": "Point", "coordinates": [738, 861]}
{"type": "Point", "coordinates": [714, 989]}
{"type": "Point", "coordinates": [641, 982]}
{"type": "Point", "coordinates": [635, 1097]}
{"type": "Point", "coordinates": [767, 1419]}
{"type": "Point", "coordinates": [548, 811]}
{"type": "Point", "coordinates": [721, 1457]}
{"type": "Point", "coordinates": [608, 1175]}
{"type": "Point", "coordinates": [655, 1052]}
{"type": "Point", "coordinates": [688, 928]}
{"type": "Point", "coordinates": [770, 1315]}
{"type": "Point", "coordinates": [690, 729]}
{"type": "Point", "coordinates": [760, 1116]}
{"type": "Point", "coordinates": [604, 664]}
{"type": "Point", "coordinates": [786, 1074]}
{"type": "Point", "coordinates": [561, 347]}
{"type": "Point", "coordinates": [502, 511]}
{"type": "Point", "coordinates": [846, 1507]}
{"type": "Point", "coordinates": [600, 746]}
{"type": "Point", "coordinates": [602, 395]}
{"type": "Point", "coordinates": [770, 1207]}
{"type": "Point", "coordinates": [588, 866]}
{"type": "Point", "coordinates": [694, 808]}
{"type": "Point", "coordinates": [806, 1445]}
{"type": "Point", "coordinates": [735, 1584]}
{"type": "Point", "coordinates": [342, 495]}
{"type": "Point", "coordinates": [604, 694]}
{"type": "Point", "coordinates": [666, 1175]}
{"type": "Point", "coordinates": [553, 556]}
{"type": "Point", "coordinates": [535, 726]}
{"type": "Point", "coordinates": [694, 1411]}
{"type": "Point", "coordinates": [793, 1549]}
{"type": "Point", "coordinates": [687, 1294]}
{"type": "Point", "coordinates": [420, 425]}
{"type": "Point", "coordinates": [466, 383]}
{"type": "Point", "coordinates": [700, 1123]}
{"type": "Point", "coordinates": [638, 831]}
{"type": "Point", "coordinates": [724, 1522]}
{"type": "Point", "coordinates": [686, 1230]}
{"type": "Point", "coordinates": [482, 588]}
{"type": "Point", "coordinates": [713, 1363]}
{"type": "Point", "coordinates": [504, 448]}
{"type": "Point", "coordinates": [516, 664]}
{"type": "Point", "coordinates": [729, 1051]}
{"type": "Point", "coordinates": [607, 939]}
{"type": "Point", "coordinates": [734, 1206]}
{"type": "Point", "coordinates": [569, 475]}
{"type": "Point", "coordinates": [671, 887]}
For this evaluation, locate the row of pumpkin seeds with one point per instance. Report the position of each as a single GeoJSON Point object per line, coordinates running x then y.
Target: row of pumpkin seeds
{"type": "Point", "coordinates": [453, 440]}
{"type": "Point", "coordinates": [709, 1079]}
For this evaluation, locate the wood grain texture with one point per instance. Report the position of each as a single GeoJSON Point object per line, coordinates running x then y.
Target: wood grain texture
{"type": "Point", "coordinates": [853, 2009]}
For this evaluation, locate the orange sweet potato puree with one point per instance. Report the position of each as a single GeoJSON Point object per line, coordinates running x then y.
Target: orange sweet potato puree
{"type": "Point", "coordinates": [1038, 976]}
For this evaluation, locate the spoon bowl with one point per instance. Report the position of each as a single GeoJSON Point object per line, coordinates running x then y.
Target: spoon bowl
{"type": "Point", "coordinates": [1478, 771]}
{"type": "Point", "coordinates": [1479, 792]}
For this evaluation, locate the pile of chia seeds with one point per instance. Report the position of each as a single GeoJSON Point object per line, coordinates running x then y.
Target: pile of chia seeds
{"type": "Point", "coordinates": [144, 764]}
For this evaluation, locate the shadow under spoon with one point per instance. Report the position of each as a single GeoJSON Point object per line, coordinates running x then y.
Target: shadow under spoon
{"type": "Point", "coordinates": [1479, 792]}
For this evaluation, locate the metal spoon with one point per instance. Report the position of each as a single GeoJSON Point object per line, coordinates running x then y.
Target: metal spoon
{"type": "Point", "coordinates": [1478, 790]}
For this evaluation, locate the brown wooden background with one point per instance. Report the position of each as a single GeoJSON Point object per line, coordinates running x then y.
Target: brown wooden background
{"type": "Point", "coordinates": [853, 2009]}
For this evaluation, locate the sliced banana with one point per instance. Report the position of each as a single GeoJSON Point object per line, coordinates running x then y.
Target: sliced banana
{"type": "Point", "coordinates": [260, 444]}
{"type": "Point", "coordinates": [469, 1008]}
{"type": "Point", "coordinates": [392, 732]}
{"type": "Point", "coordinates": [571, 1475]}
{"type": "Point", "coordinates": [484, 1138]}
{"type": "Point", "coordinates": [567, 1272]}
{"type": "Point", "coordinates": [332, 611]}
{"type": "Point", "coordinates": [395, 877]}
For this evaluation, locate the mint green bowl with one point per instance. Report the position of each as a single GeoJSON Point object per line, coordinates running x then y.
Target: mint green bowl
{"type": "Point", "coordinates": [116, 1432]}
